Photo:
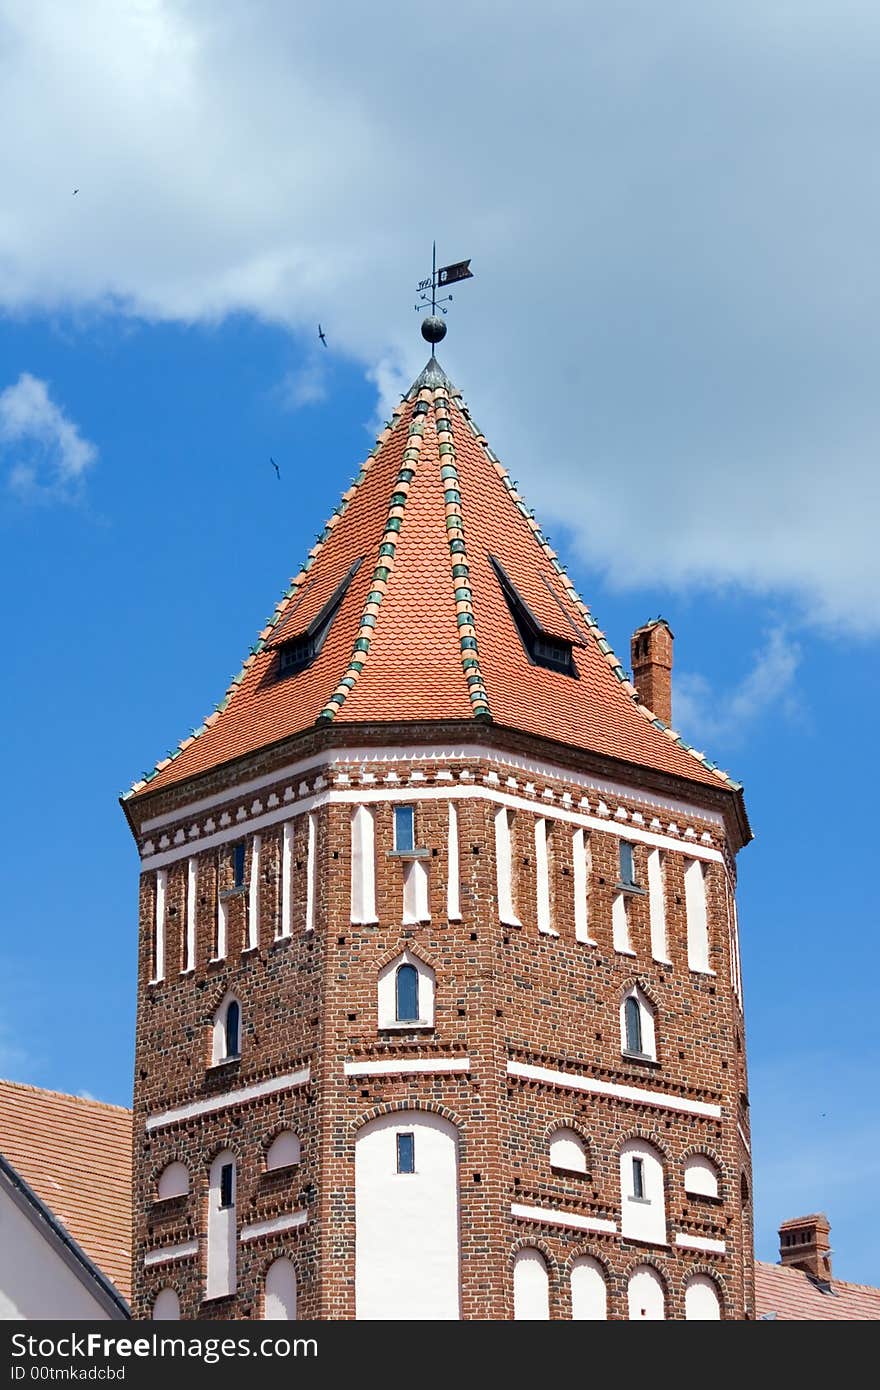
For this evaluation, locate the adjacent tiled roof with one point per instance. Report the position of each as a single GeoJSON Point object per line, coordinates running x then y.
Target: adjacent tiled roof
{"type": "Point", "coordinates": [76, 1155]}
{"type": "Point", "coordinates": [794, 1297]}
{"type": "Point", "coordinates": [424, 631]}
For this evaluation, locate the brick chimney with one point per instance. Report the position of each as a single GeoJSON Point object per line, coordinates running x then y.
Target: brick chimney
{"type": "Point", "coordinates": [803, 1244]}
{"type": "Point", "coordinates": [651, 651]}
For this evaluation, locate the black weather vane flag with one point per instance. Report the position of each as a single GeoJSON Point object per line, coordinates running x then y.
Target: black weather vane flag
{"type": "Point", "coordinates": [439, 279]}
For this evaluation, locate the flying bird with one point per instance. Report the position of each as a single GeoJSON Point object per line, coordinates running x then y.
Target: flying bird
{"type": "Point", "coordinates": [74, 193]}
{"type": "Point", "coordinates": [275, 466]}
{"type": "Point", "coordinates": [322, 335]}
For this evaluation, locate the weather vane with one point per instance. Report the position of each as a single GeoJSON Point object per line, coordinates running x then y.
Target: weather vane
{"type": "Point", "coordinates": [427, 292]}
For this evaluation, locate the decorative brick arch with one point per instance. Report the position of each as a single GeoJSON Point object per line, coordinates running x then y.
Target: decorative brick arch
{"type": "Point", "coordinates": [535, 1243]}
{"type": "Point", "coordinates": [158, 1169]}
{"type": "Point", "coordinates": [403, 945]}
{"type": "Point", "coordinates": [639, 1262]}
{"type": "Point", "coordinates": [393, 1107]}
{"type": "Point", "coordinates": [282, 1127]}
{"type": "Point", "coordinates": [717, 1279]}
{"type": "Point", "coordinates": [636, 982]}
{"type": "Point", "coordinates": [593, 1252]}
{"type": "Point", "coordinates": [651, 1137]}
{"type": "Point", "coordinates": [568, 1122]}
{"type": "Point", "coordinates": [706, 1151]}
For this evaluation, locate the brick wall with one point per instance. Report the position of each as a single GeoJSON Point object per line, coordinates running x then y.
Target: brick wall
{"type": "Point", "coordinates": [502, 993]}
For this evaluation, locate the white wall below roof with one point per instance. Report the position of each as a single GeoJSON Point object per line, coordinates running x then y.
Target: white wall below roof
{"type": "Point", "coordinates": [531, 1290]}
{"type": "Point", "coordinates": [646, 1295]}
{"type": "Point", "coordinates": [701, 1301]}
{"type": "Point", "coordinates": [589, 1295]}
{"type": "Point", "coordinates": [35, 1280]}
{"type": "Point", "coordinates": [407, 1231]}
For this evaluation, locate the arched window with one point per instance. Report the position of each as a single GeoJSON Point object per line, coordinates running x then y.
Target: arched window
{"type": "Point", "coordinates": [589, 1296]}
{"type": "Point", "coordinates": [226, 1035]}
{"type": "Point", "coordinates": [642, 1196]}
{"type": "Point", "coordinates": [284, 1151]}
{"type": "Point", "coordinates": [568, 1151]}
{"type": "Point", "coordinates": [701, 1300]}
{"type": "Point", "coordinates": [646, 1294]}
{"type": "Point", "coordinates": [406, 994]}
{"type": "Point", "coordinates": [633, 1022]}
{"type": "Point", "coordinates": [233, 1028]}
{"type": "Point", "coordinates": [637, 1031]}
{"type": "Point", "coordinates": [279, 1299]}
{"type": "Point", "coordinates": [700, 1176]}
{"type": "Point", "coordinates": [531, 1287]}
{"type": "Point", "coordinates": [173, 1181]}
{"type": "Point", "coordinates": [166, 1306]}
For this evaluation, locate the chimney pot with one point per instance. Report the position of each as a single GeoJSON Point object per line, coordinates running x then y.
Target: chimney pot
{"type": "Point", "coordinates": [804, 1244]}
{"type": "Point", "coordinates": [651, 654]}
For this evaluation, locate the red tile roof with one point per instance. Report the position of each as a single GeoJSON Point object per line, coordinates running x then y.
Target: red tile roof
{"type": "Point", "coordinates": [76, 1155]}
{"type": "Point", "coordinates": [414, 640]}
{"type": "Point", "coordinates": [793, 1297]}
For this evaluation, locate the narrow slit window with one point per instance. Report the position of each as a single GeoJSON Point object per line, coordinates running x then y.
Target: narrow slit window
{"type": "Point", "coordinates": [227, 1186]}
{"type": "Point", "coordinates": [406, 1153]}
{"type": "Point", "coordinates": [238, 865]}
{"type": "Point", "coordinates": [627, 865]}
{"type": "Point", "coordinates": [233, 1029]}
{"type": "Point", "coordinates": [633, 1016]}
{"type": "Point", "coordinates": [404, 829]}
{"type": "Point", "coordinates": [407, 994]}
{"type": "Point", "coordinates": [639, 1177]}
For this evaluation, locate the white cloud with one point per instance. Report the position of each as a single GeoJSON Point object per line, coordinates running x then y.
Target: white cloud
{"type": "Point", "coordinates": [724, 717]}
{"type": "Point", "coordinates": [48, 456]}
{"type": "Point", "coordinates": [306, 386]}
{"type": "Point", "coordinates": [672, 334]}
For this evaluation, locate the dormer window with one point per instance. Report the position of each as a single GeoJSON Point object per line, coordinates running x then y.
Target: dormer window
{"type": "Point", "coordinates": [299, 651]}
{"type": "Point", "coordinates": [542, 648]}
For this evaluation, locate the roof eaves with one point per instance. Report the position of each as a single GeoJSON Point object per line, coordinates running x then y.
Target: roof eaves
{"type": "Point", "coordinates": [27, 1200]}
{"type": "Point", "coordinates": [274, 619]}
{"type": "Point", "coordinates": [601, 640]}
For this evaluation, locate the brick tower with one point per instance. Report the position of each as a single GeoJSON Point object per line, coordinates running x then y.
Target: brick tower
{"type": "Point", "coordinates": [439, 1004]}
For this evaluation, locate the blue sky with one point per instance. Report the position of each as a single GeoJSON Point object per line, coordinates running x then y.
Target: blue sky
{"type": "Point", "coordinates": [686, 391]}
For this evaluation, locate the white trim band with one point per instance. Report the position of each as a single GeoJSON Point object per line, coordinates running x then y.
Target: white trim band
{"type": "Point", "coordinates": [611, 1088]}
{"type": "Point", "coordinates": [408, 1066]}
{"type": "Point", "coordinates": [571, 1219]}
{"type": "Point", "coordinates": [171, 1252]}
{"type": "Point", "coordinates": [534, 767]}
{"type": "Point", "coordinates": [278, 1223]}
{"type": "Point", "coordinates": [687, 1242]}
{"type": "Point", "coordinates": [227, 1098]}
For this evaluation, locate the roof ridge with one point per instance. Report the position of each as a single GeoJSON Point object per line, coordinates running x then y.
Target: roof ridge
{"type": "Point", "coordinates": [460, 568]}
{"type": "Point", "coordinates": [582, 608]}
{"type": "Point", "coordinates": [281, 607]}
{"type": "Point", "coordinates": [64, 1095]}
{"type": "Point", "coordinates": [383, 569]}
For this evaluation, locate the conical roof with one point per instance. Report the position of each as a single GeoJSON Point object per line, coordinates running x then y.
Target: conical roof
{"type": "Point", "coordinates": [432, 595]}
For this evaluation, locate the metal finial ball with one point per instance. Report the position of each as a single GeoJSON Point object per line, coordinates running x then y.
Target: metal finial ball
{"type": "Point", "coordinates": [433, 329]}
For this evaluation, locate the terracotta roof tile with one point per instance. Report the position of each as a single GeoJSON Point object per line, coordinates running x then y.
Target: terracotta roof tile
{"type": "Point", "coordinates": [424, 631]}
{"type": "Point", "coordinates": [793, 1297]}
{"type": "Point", "coordinates": [76, 1155]}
